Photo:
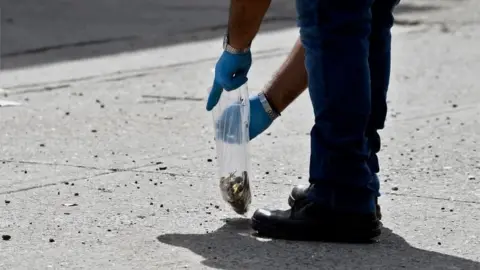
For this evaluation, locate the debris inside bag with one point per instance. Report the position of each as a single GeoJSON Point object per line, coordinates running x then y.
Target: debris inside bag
{"type": "Point", "coordinates": [236, 191]}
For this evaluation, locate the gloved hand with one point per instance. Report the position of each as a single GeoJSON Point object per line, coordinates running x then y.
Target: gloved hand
{"type": "Point", "coordinates": [259, 119]}
{"type": "Point", "coordinates": [230, 121]}
{"type": "Point", "coordinates": [230, 73]}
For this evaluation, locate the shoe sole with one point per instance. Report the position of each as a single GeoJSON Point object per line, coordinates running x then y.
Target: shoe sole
{"type": "Point", "coordinates": [350, 235]}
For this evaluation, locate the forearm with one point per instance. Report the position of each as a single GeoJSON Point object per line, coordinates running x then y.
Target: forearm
{"type": "Point", "coordinates": [290, 80]}
{"type": "Point", "coordinates": [245, 19]}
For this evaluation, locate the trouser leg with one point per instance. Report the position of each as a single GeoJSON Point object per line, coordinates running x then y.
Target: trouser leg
{"type": "Point", "coordinates": [335, 35]}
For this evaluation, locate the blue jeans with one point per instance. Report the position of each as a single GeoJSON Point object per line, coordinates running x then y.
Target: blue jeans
{"type": "Point", "coordinates": [347, 56]}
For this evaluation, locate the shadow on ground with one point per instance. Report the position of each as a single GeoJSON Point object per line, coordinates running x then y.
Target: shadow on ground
{"type": "Point", "coordinates": [232, 247]}
{"type": "Point", "coordinates": [40, 32]}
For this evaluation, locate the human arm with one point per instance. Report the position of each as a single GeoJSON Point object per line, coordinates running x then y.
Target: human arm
{"type": "Point", "coordinates": [244, 21]}
{"type": "Point", "coordinates": [234, 64]}
{"type": "Point", "coordinates": [289, 81]}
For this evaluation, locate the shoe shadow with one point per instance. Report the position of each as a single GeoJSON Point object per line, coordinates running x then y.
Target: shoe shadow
{"type": "Point", "coordinates": [233, 247]}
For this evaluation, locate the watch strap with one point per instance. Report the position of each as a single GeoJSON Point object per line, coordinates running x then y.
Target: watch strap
{"type": "Point", "coordinates": [227, 47]}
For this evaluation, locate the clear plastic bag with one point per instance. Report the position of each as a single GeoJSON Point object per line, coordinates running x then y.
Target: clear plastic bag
{"type": "Point", "coordinates": [231, 117]}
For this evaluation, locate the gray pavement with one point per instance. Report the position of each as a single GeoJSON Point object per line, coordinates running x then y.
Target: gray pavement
{"type": "Point", "coordinates": [106, 164]}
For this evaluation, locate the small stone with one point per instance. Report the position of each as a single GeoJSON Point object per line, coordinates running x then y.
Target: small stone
{"type": "Point", "coordinates": [209, 160]}
{"type": "Point", "coordinates": [471, 177]}
{"type": "Point", "coordinates": [51, 240]}
{"type": "Point", "coordinates": [454, 105]}
{"type": "Point", "coordinates": [6, 237]}
{"type": "Point", "coordinates": [7, 201]}
{"type": "Point", "coordinates": [76, 194]}
{"type": "Point", "coordinates": [94, 131]}
{"type": "Point", "coordinates": [151, 203]}
{"type": "Point", "coordinates": [161, 205]}
{"type": "Point", "coordinates": [395, 188]}
{"type": "Point", "coordinates": [42, 145]}
{"type": "Point", "coordinates": [439, 243]}
{"type": "Point", "coordinates": [162, 168]}
{"type": "Point", "coordinates": [67, 113]}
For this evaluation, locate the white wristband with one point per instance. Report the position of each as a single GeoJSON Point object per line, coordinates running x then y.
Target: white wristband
{"type": "Point", "coordinates": [267, 107]}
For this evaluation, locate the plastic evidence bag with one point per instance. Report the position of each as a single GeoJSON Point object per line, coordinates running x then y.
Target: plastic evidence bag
{"type": "Point", "coordinates": [231, 117]}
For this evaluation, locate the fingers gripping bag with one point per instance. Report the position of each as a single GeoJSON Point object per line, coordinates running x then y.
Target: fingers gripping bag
{"type": "Point", "coordinates": [231, 117]}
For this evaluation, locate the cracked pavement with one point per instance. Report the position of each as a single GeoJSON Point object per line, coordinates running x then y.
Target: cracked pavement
{"type": "Point", "coordinates": [109, 161]}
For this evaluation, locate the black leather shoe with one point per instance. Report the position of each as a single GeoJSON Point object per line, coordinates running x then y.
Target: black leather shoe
{"type": "Point", "coordinates": [312, 222]}
{"type": "Point", "coordinates": [299, 192]}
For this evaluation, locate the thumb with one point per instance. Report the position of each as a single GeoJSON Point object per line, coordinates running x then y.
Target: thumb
{"type": "Point", "coordinates": [214, 96]}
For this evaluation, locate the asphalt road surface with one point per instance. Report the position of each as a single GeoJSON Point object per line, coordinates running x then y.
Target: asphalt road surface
{"type": "Point", "coordinates": [107, 159]}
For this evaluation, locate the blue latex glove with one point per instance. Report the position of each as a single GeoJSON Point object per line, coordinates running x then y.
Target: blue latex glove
{"type": "Point", "coordinates": [230, 73]}
{"type": "Point", "coordinates": [229, 122]}
{"type": "Point", "coordinates": [259, 119]}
